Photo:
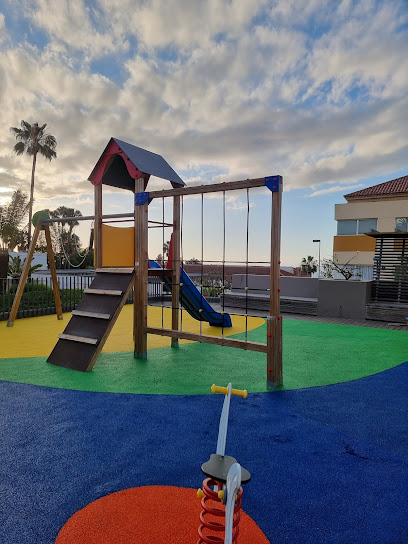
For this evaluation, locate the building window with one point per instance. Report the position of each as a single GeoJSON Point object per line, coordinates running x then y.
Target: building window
{"type": "Point", "coordinates": [366, 225]}
{"type": "Point", "coordinates": [351, 227]}
{"type": "Point", "coordinates": [347, 226]}
{"type": "Point", "coordinates": [401, 224]}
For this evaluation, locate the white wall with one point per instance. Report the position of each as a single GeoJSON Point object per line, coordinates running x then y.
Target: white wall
{"type": "Point", "coordinates": [38, 258]}
{"type": "Point", "coordinates": [385, 210]}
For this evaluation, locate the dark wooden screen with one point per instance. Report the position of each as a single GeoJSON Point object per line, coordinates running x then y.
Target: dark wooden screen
{"type": "Point", "coordinates": [391, 268]}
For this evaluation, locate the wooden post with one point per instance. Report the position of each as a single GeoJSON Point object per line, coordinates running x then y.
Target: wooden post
{"type": "Point", "coordinates": [98, 226]}
{"type": "Point", "coordinates": [141, 273]}
{"type": "Point", "coordinates": [23, 277]}
{"type": "Point", "coordinates": [175, 301]}
{"type": "Point", "coordinates": [53, 269]}
{"type": "Point", "coordinates": [274, 323]}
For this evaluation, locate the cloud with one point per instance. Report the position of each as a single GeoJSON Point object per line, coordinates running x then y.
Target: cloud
{"type": "Point", "coordinates": [239, 206]}
{"type": "Point", "coordinates": [335, 189]}
{"type": "Point", "coordinates": [3, 31]}
{"type": "Point", "coordinates": [349, 57]}
{"type": "Point", "coordinates": [78, 25]}
{"type": "Point", "coordinates": [4, 197]}
{"type": "Point", "coordinates": [246, 88]}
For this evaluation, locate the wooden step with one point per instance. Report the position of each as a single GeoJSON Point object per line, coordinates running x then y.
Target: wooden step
{"type": "Point", "coordinates": [81, 339]}
{"type": "Point", "coordinates": [96, 315]}
{"type": "Point", "coordinates": [80, 352]}
{"type": "Point", "coordinates": [115, 270]}
{"type": "Point", "coordinates": [111, 292]}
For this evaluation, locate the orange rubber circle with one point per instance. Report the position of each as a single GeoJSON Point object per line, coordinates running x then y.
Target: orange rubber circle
{"type": "Point", "coordinates": [146, 515]}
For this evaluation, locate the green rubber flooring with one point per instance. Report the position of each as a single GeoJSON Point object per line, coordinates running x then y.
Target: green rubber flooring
{"type": "Point", "coordinates": [314, 354]}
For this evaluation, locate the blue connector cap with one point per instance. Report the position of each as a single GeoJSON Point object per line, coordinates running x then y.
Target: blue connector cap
{"type": "Point", "coordinates": [141, 198]}
{"type": "Point", "coordinates": [273, 183]}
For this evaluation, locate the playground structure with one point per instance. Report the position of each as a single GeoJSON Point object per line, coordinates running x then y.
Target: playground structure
{"type": "Point", "coordinates": [125, 166]}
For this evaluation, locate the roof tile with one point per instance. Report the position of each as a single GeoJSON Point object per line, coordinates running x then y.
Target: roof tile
{"type": "Point", "coordinates": [394, 187]}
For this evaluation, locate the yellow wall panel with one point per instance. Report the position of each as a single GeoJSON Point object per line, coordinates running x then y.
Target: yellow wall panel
{"type": "Point", "coordinates": [118, 246]}
{"type": "Point", "coordinates": [353, 243]}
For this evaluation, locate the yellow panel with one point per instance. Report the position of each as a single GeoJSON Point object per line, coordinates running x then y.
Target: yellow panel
{"type": "Point", "coordinates": [353, 243]}
{"type": "Point", "coordinates": [118, 246]}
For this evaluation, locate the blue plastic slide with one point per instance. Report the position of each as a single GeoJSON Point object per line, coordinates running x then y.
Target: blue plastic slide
{"type": "Point", "coordinates": [193, 302]}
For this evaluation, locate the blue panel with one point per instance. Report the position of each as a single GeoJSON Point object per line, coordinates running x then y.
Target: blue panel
{"type": "Point", "coordinates": [141, 198]}
{"type": "Point", "coordinates": [193, 302]}
{"type": "Point", "coordinates": [273, 183]}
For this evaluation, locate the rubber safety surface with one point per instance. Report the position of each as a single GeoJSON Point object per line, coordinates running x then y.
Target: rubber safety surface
{"type": "Point", "coordinates": [328, 464]}
{"type": "Point", "coordinates": [313, 354]}
{"type": "Point", "coordinates": [329, 460]}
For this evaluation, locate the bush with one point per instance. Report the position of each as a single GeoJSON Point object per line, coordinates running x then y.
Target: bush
{"type": "Point", "coordinates": [37, 296]}
{"type": "Point", "coordinates": [70, 297]}
{"type": "Point", "coordinates": [212, 291]}
{"type": "Point", "coordinates": [34, 296]}
{"type": "Point", "coordinates": [30, 287]}
{"type": "Point", "coordinates": [212, 284]}
{"type": "Point", "coordinates": [4, 260]}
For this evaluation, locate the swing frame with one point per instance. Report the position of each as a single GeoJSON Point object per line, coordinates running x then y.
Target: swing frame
{"type": "Point", "coordinates": [273, 346]}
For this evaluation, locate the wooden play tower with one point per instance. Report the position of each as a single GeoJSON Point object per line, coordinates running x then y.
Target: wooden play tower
{"type": "Point", "coordinates": [128, 167]}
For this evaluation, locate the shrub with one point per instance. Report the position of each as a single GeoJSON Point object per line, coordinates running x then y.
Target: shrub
{"type": "Point", "coordinates": [37, 296]}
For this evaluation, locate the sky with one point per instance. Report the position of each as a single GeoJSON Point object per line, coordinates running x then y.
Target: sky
{"type": "Point", "coordinates": [313, 90]}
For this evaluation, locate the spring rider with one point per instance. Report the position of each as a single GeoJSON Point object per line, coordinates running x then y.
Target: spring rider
{"type": "Point", "coordinates": [222, 485]}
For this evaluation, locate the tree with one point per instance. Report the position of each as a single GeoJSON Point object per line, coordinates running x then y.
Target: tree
{"type": "Point", "coordinates": [67, 244]}
{"type": "Point", "coordinates": [309, 265]}
{"type": "Point", "coordinates": [166, 248]}
{"type": "Point", "coordinates": [33, 139]}
{"type": "Point", "coordinates": [16, 266]}
{"type": "Point", "coordinates": [11, 217]}
{"type": "Point", "coordinates": [346, 270]}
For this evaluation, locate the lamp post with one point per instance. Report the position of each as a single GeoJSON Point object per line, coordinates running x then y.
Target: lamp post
{"type": "Point", "coordinates": [319, 256]}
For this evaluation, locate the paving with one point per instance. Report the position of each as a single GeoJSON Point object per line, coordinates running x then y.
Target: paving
{"type": "Point", "coordinates": [339, 321]}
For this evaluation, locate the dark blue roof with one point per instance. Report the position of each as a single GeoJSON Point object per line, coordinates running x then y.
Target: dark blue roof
{"type": "Point", "coordinates": [116, 173]}
{"type": "Point", "coordinates": [149, 163]}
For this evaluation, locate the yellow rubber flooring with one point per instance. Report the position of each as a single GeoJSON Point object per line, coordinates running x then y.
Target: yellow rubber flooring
{"type": "Point", "coordinates": [36, 336]}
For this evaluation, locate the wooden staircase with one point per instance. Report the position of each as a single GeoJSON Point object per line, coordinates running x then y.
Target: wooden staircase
{"type": "Point", "coordinates": [81, 342]}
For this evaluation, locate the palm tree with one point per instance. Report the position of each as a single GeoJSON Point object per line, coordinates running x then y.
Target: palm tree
{"type": "Point", "coordinates": [166, 248]}
{"type": "Point", "coordinates": [308, 265]}
{"type": "Point", "coordinates": [33, 139]}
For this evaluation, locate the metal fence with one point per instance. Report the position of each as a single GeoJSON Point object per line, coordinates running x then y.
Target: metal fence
{"type": "Point", "coordinates": [38, 296]}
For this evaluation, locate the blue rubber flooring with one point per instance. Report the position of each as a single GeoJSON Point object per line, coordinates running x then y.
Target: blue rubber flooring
{"type": "Point", "coordinates": [329, 464]}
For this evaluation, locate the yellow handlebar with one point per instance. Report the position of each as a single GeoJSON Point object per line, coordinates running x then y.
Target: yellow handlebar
{"type": "Point", "coordinates": [237, 392]}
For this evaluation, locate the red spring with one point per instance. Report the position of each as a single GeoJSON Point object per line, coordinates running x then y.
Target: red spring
{"type": "Point", "coordinates": [212, 506]}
